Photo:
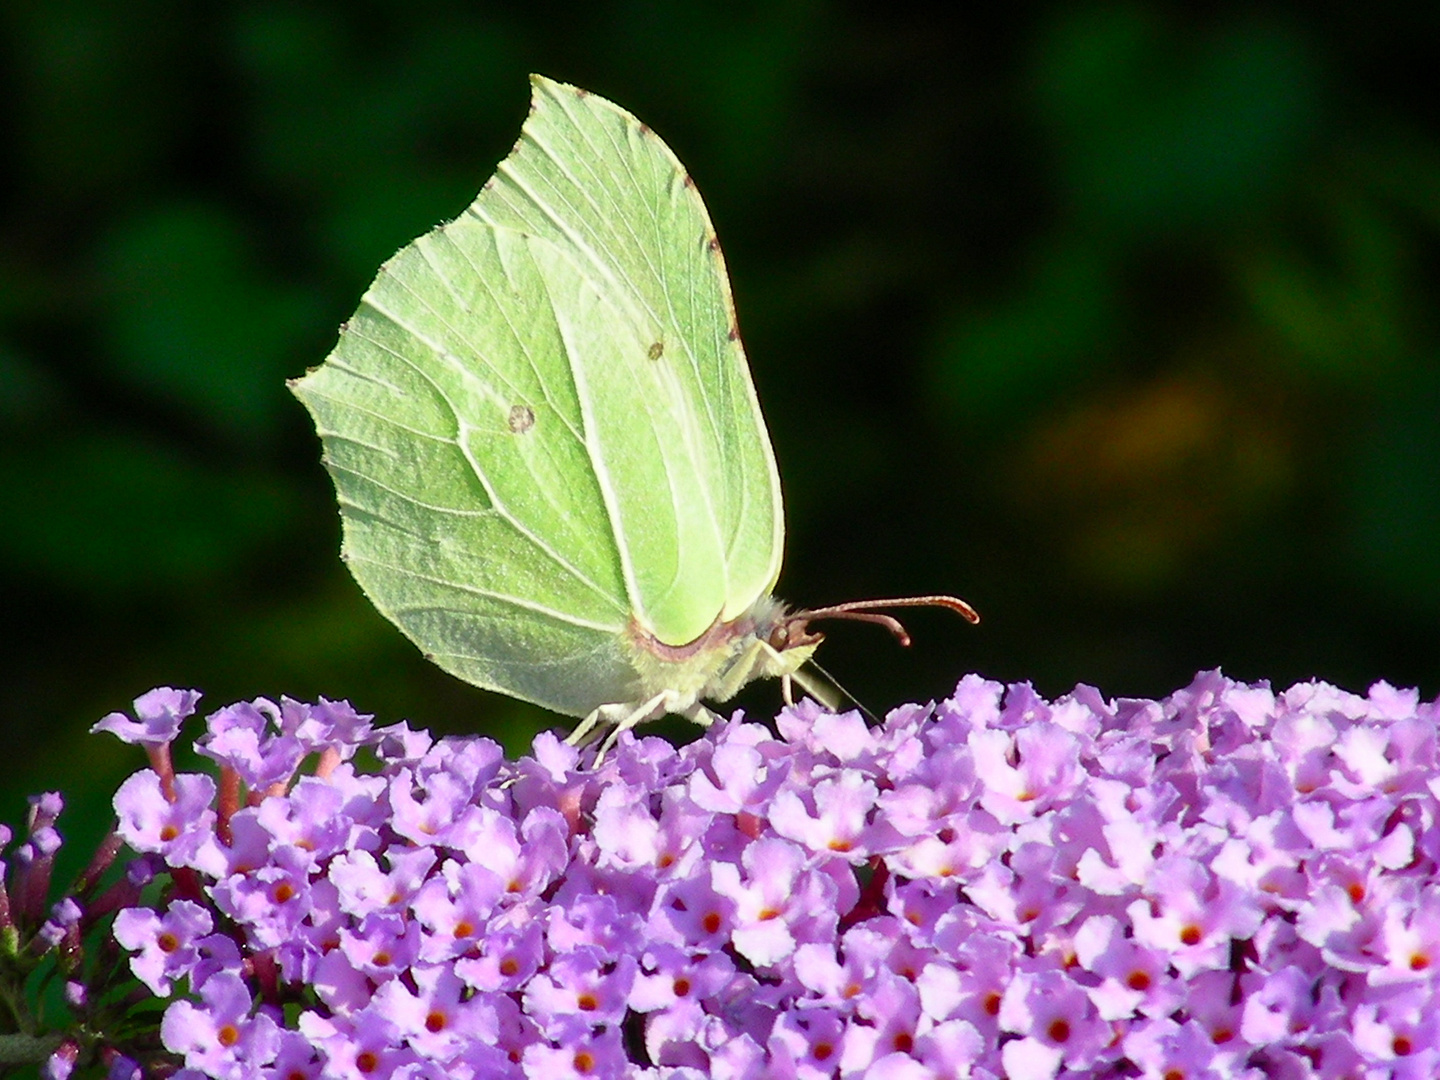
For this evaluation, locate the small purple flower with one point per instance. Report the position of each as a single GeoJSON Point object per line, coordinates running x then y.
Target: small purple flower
{"type": "Point", "coordinates": [596, 920]}
{"type": "Point", "coordinates": [839, 821]}
{"type": "Point", "coordinates": [315, 817]}
{"type": "Point", "coordinates": [164, 944]}
{"type": "Point", "coordinates": [507, 957]}
{"type": "Point", "coordinates": [771, 888]}
{"type": "Point", "coordinates": [691, 912]}
{"type": "Point", "coordinates": [296, 1059]}
{"type": "Point", "coordinates": [885, 1022]}
{"type": "Point", "coordinates": [1163, 1047]}
{"type": "Point", "coordinates": [365, 887]}
{"type": "Point", "coordinates": [742, 777]}
{"type": "Point", "coordinates": [1193, 916]}
{"type": "Point", "coordinates": [223, 1033]}
{"type": "Point", "coordinates": [271, 901]}
{"type": "Point", "coordinates": [124, 1068]}
{"type": "Point", "coordinates": [1024, 773]}
{"type": "Point", "coordinates": [241, 737]}
{"type": "Point", "coordinates": [60, 1064]}
{"type": "Point", "coordinates": [454, 907]}
{"type": "Point", "coordinates": [64, 919]}
{"type": "Point", "coordinates": [812, 1044]}
{"type": "Point", "coordinates": [578, 1052]}
{"type": "Point", "coordinates": [159, 714]}
{"type": "Point", "coordinates": [1400, 1031]}
{"type": "Point", "coordinates": [626, 833]}
{"type": "Point", "coordinates": [365, 1045]}
{"type": "Point", "coordinates": [1409, 940]}
{"type": "Point", "coordinates": [672, 976]}
{"type": "Point", "coordinates": [583, 985]}
{"type": "Point", "coordinates": [1054, 1020]}
{"type": "Point", "coordinates": [328, 725]}
{"type": "Point", "coordinates": [1133, 979]}
{"type": "Point", "coordinates": [182, 830]}
{"type": "Point", "coordinates": [440, 1018]}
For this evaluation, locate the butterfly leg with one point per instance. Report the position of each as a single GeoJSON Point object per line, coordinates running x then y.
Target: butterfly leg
{"type": "Point", "coordinates": [587, 728]}
{"type": "Point", "coordinates": [617, 718]}
{"type": "Point", "coordinates": [699, 714]}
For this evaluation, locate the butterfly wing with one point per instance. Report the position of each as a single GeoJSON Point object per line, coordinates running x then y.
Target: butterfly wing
{"type": "Point", "coordinates": [540, 423]}
{"type": "Point", "coordinates": [681, 448]}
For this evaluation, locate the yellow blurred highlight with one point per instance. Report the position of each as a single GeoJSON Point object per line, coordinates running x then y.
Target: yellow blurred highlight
{"type": "Point", "coordinates": [1135, 484]}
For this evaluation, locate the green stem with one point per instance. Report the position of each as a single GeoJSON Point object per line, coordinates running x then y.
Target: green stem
{"type": "Point", "coordinates": [19, 1016]}
{"type": "Point", "coordinates": [27, 1049]}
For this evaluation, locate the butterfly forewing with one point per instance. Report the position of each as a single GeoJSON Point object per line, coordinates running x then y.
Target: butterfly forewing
{"type": "Point", "coordinates": [699, 526]}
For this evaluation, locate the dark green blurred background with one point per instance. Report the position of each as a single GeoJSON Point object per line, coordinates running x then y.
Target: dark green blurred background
{"type": "Point", "coordinates": [1119, 321]}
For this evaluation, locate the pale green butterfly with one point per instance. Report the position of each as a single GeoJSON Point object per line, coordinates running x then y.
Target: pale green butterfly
{"type": "Point", "coordinates": [552, 470]}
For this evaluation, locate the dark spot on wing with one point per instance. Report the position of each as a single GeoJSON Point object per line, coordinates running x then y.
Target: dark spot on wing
{"type": "Point", "coordinates": [656, 350]}
{"type": "Point", "coordinates": [689, 180]}
{"type": "Point", "coordinates": [713, 243]}
{"type": "Point", "coordinates": [644, 129]}
{"type": "Point", "coordinates": [734, 334]}
{"type": "Point", "coordinates": [521, 419]}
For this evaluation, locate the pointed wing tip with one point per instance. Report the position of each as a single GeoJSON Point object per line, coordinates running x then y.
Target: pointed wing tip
{"type": "Point", "coordinates": [303, 385]}
{"type": "Point", "coordinates": [543, 85]}
{"type": "Point", "coordinates": [297, 385]}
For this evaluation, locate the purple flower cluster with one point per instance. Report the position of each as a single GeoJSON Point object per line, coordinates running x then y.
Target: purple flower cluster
{"type": "Point", "coordinates": [1226, 883]}
{"type": "Point", "coordinates": [46, 951]}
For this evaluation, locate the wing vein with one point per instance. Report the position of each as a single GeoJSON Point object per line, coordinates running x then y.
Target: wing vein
{"type": "Point", "coordinates": [481, 475]}
{"type": "Point", "coordinates": [487, 594]}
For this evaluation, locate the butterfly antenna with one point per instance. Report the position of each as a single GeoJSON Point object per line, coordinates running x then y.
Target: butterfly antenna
{"type": "Point", "coordinates": [869, 611]}
{"type": "Point", "coordinates": [797, 630]}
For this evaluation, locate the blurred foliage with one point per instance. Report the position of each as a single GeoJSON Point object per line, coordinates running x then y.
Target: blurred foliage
{"type": "Point", "coordinates": [1118, 321]}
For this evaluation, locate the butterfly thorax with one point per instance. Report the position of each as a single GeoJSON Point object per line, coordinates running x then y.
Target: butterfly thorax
{"type": "Point", "coordinates": [758, 644]}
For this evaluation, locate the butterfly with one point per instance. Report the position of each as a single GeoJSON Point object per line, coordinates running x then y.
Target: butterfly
{"type": "Point", "coordinates": [551, 464]}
